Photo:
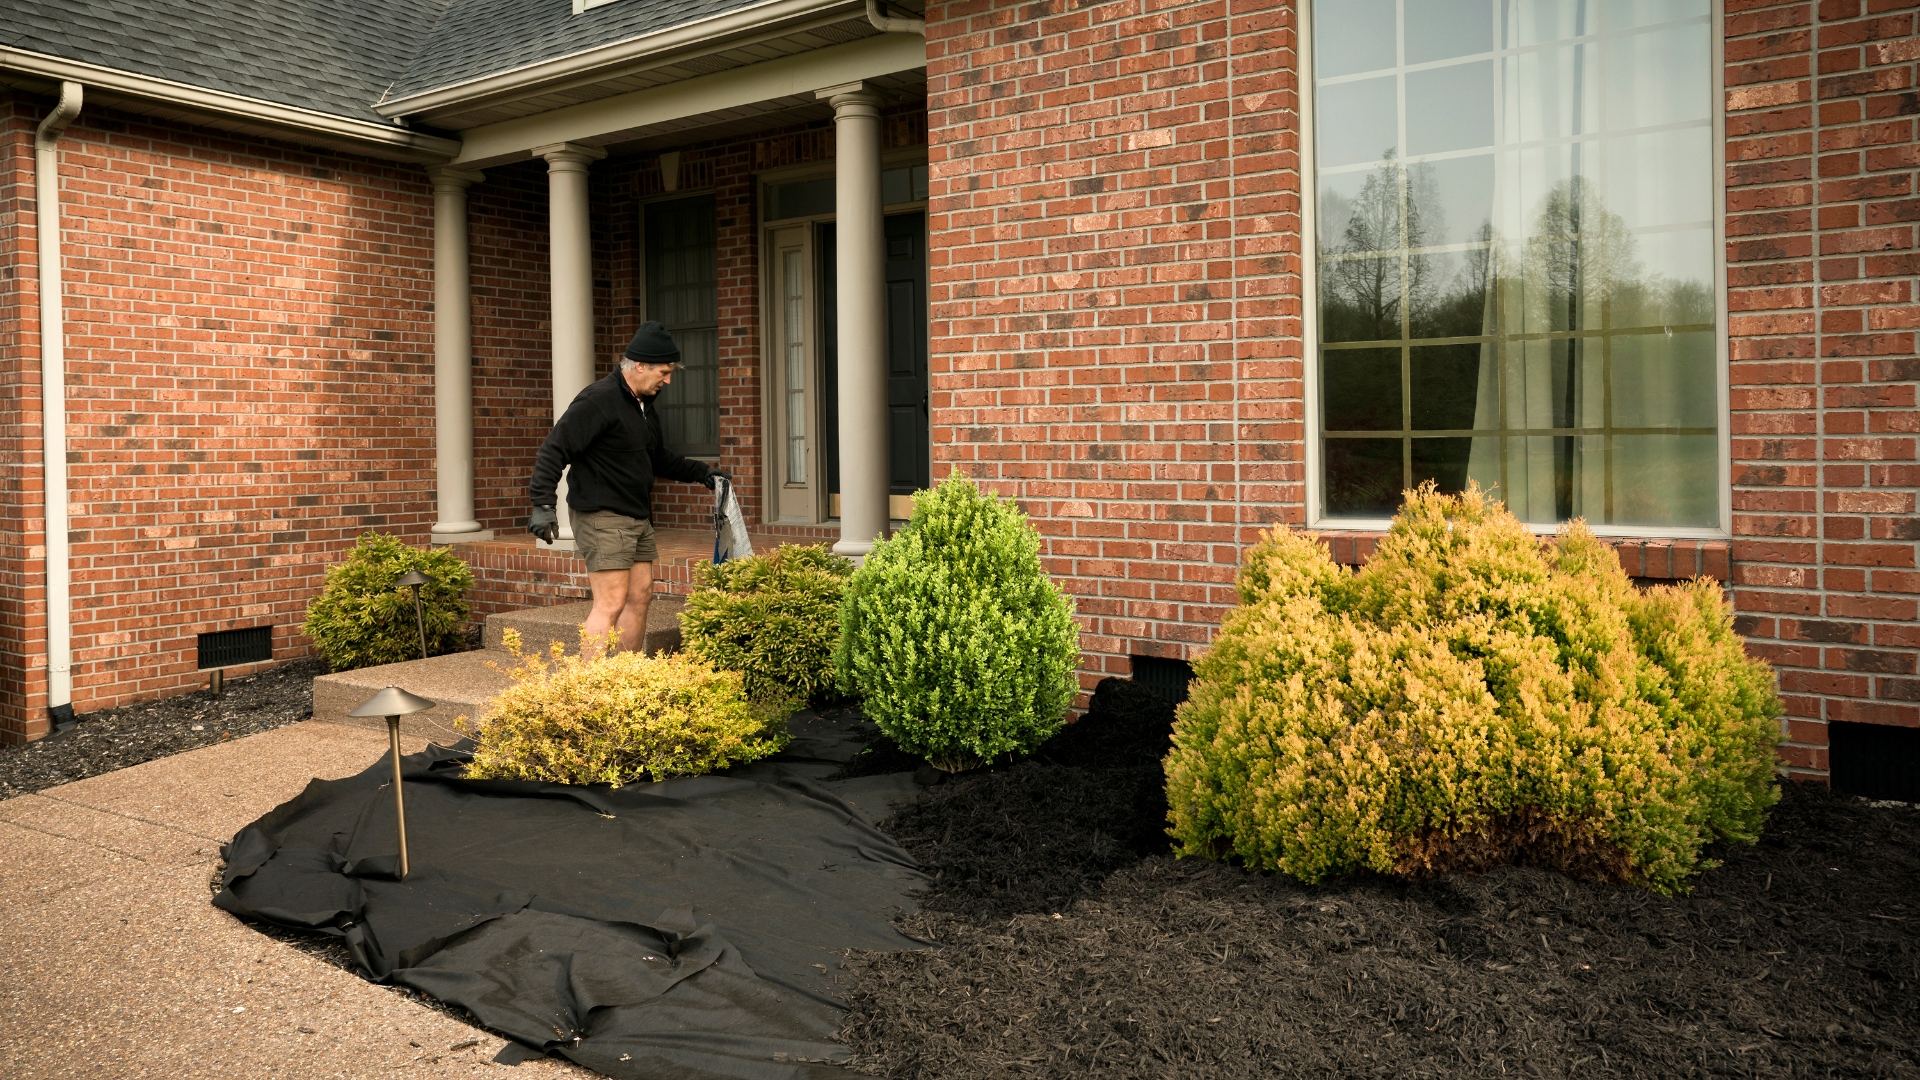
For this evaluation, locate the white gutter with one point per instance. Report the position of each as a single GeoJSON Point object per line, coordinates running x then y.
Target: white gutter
{"type": "Point", "coordinates": [888, 24]}
{"type": "Point", "coordinates": [594, 61]}
{"type": "Point", "coordinates": [385, 140]}
{"type": "Point", "coordinates": [53, 403]}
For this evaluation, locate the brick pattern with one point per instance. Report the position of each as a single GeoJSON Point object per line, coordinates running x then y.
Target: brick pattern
{"type": "Point", "coordinates": [250, 357]}
{"type": "Point", "coordinates": [1822, 260]}
{"type": "Point", "coordinates": [249, 387]}
{"type": "Point", "coordinates": [22, 595]}
{"type": "Point", "coordinates": [507, 239]}
{"type": "Point", "coordinates": [1116, 292]}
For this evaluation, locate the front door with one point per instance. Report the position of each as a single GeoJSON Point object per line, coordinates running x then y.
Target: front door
{"type": "Point", "coordinates": [908, 445]}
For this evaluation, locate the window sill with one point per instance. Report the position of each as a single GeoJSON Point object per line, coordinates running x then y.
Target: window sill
{"type": "Point", "coordinates": [1652, 560]}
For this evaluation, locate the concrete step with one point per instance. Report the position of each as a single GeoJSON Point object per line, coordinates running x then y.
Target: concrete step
{"type": "Point", "coordinates": [459, 684]}
{"type": "Point", "coordinates": [540, 626]}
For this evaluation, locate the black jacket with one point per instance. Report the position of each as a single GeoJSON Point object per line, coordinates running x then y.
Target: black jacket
{"type": "Point", "coordinates": [612, 438]}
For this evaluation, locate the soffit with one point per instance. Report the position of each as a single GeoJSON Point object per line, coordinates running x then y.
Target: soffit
{"type": "Point", "coordinates": [754, 119]}
{"type": "Point", "coordinates": [754, 97]}
{"type": "Point", "coordinates": [708, 58]}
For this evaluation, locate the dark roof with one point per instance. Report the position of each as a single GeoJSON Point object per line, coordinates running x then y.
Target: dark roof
{"type": "Point", "coordinates": [333, 56]}
{"type": "Point", "coordinates": [484, 37]}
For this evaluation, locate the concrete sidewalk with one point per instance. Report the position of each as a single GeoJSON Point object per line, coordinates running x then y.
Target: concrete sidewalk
{"type": "Point", "coordinates": [114, 964]}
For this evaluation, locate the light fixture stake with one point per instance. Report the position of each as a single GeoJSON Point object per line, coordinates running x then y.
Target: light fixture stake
{"type": "Point", "coordinates": [393, 703]}
{"type": "Point", "coordinates": [413, 580]}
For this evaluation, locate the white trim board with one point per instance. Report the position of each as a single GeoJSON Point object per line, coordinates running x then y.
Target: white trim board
{"type": "Point", "coordinates": [616, 118]}
{"type": "Point", "coordinates": [1310, 309]}
{"type": "Point", "coordinates": [603, 60]}
{"type": "Point", "coordinates": [299, 125]}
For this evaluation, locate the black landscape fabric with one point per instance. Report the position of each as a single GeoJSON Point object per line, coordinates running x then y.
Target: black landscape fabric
{"type": "Point", "coordinates": [678, 929]}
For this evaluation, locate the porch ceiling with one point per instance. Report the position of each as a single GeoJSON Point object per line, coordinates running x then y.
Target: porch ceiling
{"type": "Point", "coordinates": [735, 101]}
{"type": "Point", "coordinates": [545, 96]}
{"type": "Point", "coordinates": [761, 116]}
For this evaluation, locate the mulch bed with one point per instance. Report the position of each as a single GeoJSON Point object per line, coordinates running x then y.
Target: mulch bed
{"type": "Point", "coordinates": [1073, 946]}
{"type": "Point", "coordinates": [131, 734]}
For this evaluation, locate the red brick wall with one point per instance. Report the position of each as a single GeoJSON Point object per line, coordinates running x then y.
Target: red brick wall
{"type": "Point", "coordinates": [512, 344]}
{"type": "Point", "coordinates": [1822, 211]}
{"type": "Point", "coordinates": [1116, 292]}
{"type": "Point", "coordinates": [1116, 318]}
{"type": "Point", "coordinates": [249, 387]}
{"type": "Point", "coordinates": [22, 595]}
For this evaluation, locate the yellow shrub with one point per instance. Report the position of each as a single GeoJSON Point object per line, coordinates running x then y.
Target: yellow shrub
{"type": "Point", "coordinates": [1470, 698]}
{"type": "Point", "coordinates": [618, 719]}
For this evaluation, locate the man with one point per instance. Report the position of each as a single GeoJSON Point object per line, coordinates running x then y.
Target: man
{"type": "Point", "coordinates": [611, 436]}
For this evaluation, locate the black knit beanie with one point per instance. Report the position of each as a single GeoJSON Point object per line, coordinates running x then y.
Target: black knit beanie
{"type": "Point", "coordinates": [653, 345]}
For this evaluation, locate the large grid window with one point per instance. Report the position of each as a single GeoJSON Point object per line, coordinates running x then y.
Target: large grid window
{"type": "Point", "coordinates": [683, 292]}
{"type": "Point", "coordinates": [1516, 256]}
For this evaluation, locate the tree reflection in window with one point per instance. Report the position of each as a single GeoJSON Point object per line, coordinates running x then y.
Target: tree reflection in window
{"type": "Point", "coordinates": [1528, 306]}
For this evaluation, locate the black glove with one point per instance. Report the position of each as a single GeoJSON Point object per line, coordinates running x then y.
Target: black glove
{"type": "Point", "coordinates": [714, 473]}
{"type": "Point", "coordinates": [544, 523]}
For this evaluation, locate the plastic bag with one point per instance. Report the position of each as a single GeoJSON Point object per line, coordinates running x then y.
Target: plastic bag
{"type": "Point", "coordinates": [730, 539]}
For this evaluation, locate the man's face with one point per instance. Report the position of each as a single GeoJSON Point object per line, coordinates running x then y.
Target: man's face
{"type": "Point", "coordinates": [647, 379]}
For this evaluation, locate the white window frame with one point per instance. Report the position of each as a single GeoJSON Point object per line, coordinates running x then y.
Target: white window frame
{"type": "Point", "coordinates": [1310, 306]}
{"type": "Point", "coordinates": [773, 362]}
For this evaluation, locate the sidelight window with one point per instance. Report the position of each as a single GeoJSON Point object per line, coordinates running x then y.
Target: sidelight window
{"type": "Point", "coordinates": [1517, 257]}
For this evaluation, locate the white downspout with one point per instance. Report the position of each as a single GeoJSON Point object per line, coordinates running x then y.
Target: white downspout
{"type": "Point", "coordinates": [53, 403]}
{"type": "Point", "coordinates": [891, 24]}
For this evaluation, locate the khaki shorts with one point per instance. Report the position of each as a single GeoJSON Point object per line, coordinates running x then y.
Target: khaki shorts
{"type": "Point", "coordinates": [610, 541]}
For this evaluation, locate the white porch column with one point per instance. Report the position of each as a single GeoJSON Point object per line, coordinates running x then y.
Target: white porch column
{"type": "Point", "coordinates": [571, 251]}
{"type": "Point", "coordinates": [453, 359]}
{"type": "Point", "coordinates": [860, 283]}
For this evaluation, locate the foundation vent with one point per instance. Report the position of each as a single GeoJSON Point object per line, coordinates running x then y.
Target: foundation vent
{"type": "Point", "coordinates": [227, 648]}
{"type": "Point", "coordinates": [1875, 760]}
{"type": "Point", "coordinates": [1167, 678]}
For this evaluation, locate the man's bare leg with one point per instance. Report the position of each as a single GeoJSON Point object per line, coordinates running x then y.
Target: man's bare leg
{"type": "Point", "coordinates": [633, 615]}
{"type": "Point", "coordinates": [620, 601]}
{"type": "Point", "coordinates": [609, 588]}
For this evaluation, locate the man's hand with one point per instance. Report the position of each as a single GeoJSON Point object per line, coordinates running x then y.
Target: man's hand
{"type": "Point", "coordinates": [544, 523]}
{"type": "Point", "coordinates": [714, 473]}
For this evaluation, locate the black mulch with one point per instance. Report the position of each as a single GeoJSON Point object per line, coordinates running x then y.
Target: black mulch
{"type": "Point", "coordinates": [1073, 946]}
{"type": "Point", "coordinates": [117, 738]}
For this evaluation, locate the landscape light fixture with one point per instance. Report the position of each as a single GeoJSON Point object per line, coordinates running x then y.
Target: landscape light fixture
{"type": "Point", "coordinates": [413, 580]}
{"type": "Point", "coordinates": [394, 703]}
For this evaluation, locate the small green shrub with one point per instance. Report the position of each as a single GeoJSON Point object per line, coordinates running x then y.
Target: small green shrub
{"type": "Point", "coordinates": [773, 618]}
{"type": "Point", "coordinates": [1471, 698]}
{"type": "Point", "coordinates": [952, 633]}
{"type": "Point", "coordinates": [360, 619]}
{"type": "Point", "coordinates": [617, 720]}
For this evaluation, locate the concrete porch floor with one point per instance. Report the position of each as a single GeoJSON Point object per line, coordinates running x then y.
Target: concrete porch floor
{"type": "Point", "coordinates": [114, 963]}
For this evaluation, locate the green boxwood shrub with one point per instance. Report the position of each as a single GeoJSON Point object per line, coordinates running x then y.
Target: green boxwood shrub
{"type": "Point", "coordinates": [617, 720]}
{"type": "Point", "coordinates": [1471, 697]}
{"type": "Point", "coordinates": [360, 619]}
{"type": "Point", "coordinates": [773, 618]}
{"type": "Point", "coordinates": [961, 647]}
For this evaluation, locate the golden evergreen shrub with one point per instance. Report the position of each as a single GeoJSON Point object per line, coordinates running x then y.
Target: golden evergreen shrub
{"type": "Point", "coordinates": [618, 719]}
{"type": "Point", "coordinates": [1468, 698]}
{"type": "Point", "coordinates": [773, 618]}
